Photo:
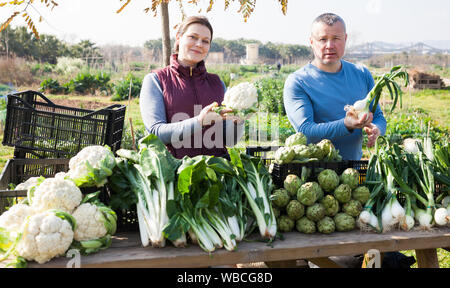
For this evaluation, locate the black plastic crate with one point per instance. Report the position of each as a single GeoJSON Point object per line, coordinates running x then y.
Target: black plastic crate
{"type": "Point", "coordinates": [36, 126]}
{"type": "Point", "coordinates": [280, 171]}
{"type": "Point", "coordinates": [262, 152]}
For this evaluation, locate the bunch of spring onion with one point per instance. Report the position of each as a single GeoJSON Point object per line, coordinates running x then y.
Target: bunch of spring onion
{"type": "Point", "coordinates": [395, 174]}
{"type": "Point", "coordinates": [362, 107]}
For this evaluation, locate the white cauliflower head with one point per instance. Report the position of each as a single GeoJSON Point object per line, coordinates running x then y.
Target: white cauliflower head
{"type": "Point", "coordinates": [56, 193]}
{"type": "Point", "coordinates": [31, 182]}
{"type": "Point", "coordinates": [91, 166]}
{"type": "Point", "coordinates": [90, 222]}
{"type": "Point", "coordinates": [240, 97]}
{"type": "Point", "coordinates": [14, 217]}
{"type": "Point", "coordinates": [44, 237]}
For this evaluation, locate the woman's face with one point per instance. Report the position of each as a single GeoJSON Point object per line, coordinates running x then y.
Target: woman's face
{"type": "Point", "coordinates": [194, 44]}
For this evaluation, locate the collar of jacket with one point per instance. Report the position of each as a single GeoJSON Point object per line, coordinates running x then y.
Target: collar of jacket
{"type": "Point", "coordinates": [197, 71]}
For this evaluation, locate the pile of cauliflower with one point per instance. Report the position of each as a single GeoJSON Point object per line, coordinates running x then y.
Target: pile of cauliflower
{"type": "Point", "coordinates": [55, 217]}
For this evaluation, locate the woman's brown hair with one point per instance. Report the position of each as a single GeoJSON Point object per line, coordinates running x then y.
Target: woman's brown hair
{"type": "Point", "coordinates": [202, 20]}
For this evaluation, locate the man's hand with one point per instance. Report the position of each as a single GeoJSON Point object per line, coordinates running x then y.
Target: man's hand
{"type": "Point", "coordinates": [352, 122]}
{"type": "Point", "coordinates": [372, 134]}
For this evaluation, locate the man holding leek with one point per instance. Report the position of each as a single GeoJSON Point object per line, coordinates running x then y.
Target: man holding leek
{"type": "Point", "coordinates": [316, 95]}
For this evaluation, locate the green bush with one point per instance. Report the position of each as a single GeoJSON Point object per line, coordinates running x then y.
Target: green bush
{"type": "Point", "coordinates": [122, 88]}
{"type": "Point", "coordinates": [51, 85]}
{"type": "Point", "coordinates": [270, 91]}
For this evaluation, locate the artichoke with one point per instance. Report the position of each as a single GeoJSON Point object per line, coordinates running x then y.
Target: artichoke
{"type": "Point", "coordinates": [326, 148]}
{"type": "Point", "coordinates": [362, 194]}
{"type": "Point", "coordinates": [315, 151]}
{"type": "Point", "coordinates": [343, 193]}
{"type": "Point", "coordinates": [292, 183]}
{"type": "Point", "coordinates": [295, 210]}
{"type": "Point", "coordinates": [305, 225]}
{"type": "Point", "coordinates": [301, 151]}
{"type": "Point", "coordinates": [326, 225]}
{"type": "Point", "coordinates": [352, 208]}
{"type": "Point", "coordinates": [344, 222]}
{"type": "Point", "coordinates": [285, 224]}
{"type": "Point", "coordinates": [284, 155]}
{"type": "Point", "coordinates": [309, 193]}
{"type": "Point", "coordinates": [280, 197]}
{"type": "Point", "coordinates": [331, 205]}
{"type": "Point", "coordinates": [350, 176]}
{"type": "Point", "coordinates": [295, 139]}
{"type": "Point", "coordinates": [315, 212]}
{"type": "Point", "coordinates": [328, 180]}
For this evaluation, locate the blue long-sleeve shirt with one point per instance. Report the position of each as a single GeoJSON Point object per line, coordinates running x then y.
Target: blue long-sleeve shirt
{"type": "Point", "coordinates": [314, 101]}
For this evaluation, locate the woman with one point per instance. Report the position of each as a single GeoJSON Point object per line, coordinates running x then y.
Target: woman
{"type": "Point", "coordinates": [176, 101]}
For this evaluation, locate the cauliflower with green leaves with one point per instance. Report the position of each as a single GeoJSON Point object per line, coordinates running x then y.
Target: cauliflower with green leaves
{"type": "Point", "coordinates": [95, 226]}
{"type": "Point", "coordinates": [46, 235]}
{"type": "Point", "coordinates": [15, 216]}
{"type": "Point", "coordinates": [56, 193]}
{"type": "Point", "coordinates": [91, 166]}
{"type": "Point", "coordinates": [242, 99]}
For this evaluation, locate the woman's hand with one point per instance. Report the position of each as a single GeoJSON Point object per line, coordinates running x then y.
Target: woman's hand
{"type": "Point", "coordinates": [207, 116]}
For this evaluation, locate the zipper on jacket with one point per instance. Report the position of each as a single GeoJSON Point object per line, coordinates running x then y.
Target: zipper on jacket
{"type": "Point", "coordinates": [190, 71]}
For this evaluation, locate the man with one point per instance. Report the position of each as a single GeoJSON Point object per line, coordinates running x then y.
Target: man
{"type": "Point", "coordinates": [315, 95]}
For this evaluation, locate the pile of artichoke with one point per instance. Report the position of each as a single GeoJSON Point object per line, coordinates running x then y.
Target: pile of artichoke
{"type": "Point", "coordinates": [326, 203]}
{"type": "Point", "coordinates": [296, 150]}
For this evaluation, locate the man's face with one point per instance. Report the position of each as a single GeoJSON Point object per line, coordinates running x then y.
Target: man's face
{"type": "Point", "coordinates": [328, 43]}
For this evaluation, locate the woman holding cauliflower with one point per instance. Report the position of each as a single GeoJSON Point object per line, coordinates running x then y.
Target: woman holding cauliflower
{"type": "Point", "coordinates": [176, 102]}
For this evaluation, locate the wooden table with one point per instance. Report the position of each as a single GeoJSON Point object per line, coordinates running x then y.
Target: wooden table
{"type": "Point", "coordinates": [126, 250]}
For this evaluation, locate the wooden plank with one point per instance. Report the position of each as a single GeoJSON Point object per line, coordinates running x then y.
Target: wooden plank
{"type": "Point", "coordinates": [427, 258]}
{"type": "Point", "coordinates": [126, 250]}
{"type": "Point", "coordinates": [325, 262]}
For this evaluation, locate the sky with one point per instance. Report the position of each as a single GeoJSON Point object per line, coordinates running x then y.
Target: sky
{"type": "Point", "coordinates": [393, 21]}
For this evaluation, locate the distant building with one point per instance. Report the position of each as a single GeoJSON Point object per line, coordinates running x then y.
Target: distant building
{"type": "Point", "coordinates": [422, 80]}
{"type": "Point", "coordinates": [252, 56]}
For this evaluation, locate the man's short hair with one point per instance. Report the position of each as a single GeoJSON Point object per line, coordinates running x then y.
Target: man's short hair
{"type": "Point", "coordinates": [329, 19]}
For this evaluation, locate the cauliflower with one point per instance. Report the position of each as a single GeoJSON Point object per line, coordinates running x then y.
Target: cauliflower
{"type": "Point", "coordinates": [95, 226]}
{"type": "Point", "coordinates": [92, 223]}
{"type": "Point", "coordinates": [46, 235]}
{"type": "Point", "coordinates": [241, 98]}
{"type": "Point", "coordinates": [91, 166]}
{"type": "Point", "coordinates": [56, 193]}
{"type": "Point", "coordinates": [30, 183]}
{"type": "Point", "coordinates": [13, 219]}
